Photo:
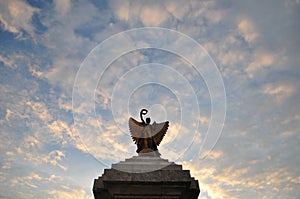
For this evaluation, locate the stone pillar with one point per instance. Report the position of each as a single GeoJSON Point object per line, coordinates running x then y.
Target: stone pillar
{"type": "Point", "coordinates": [131, 179]}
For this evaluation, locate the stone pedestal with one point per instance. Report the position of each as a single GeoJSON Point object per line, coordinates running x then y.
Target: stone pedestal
{"type": "Point", "coordinates": [146, 177]}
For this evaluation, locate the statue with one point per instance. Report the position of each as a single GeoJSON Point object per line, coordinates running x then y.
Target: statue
{"type": "Point", "coordinates": [145, 135]}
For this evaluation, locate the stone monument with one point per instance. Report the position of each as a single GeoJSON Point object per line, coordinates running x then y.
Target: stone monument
{"type": "Point", "coordinates": [146, 175]}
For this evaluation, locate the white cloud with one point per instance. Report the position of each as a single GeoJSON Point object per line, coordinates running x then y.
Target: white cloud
{"type": "Point", "coordinates": [54, 178]}
{"type": "Point", "coordinates": [30, 180]}
{"type": "Point", "coordinates": [34, 180]}
{"type": "Point", "coordinates": [121, 10]}
{"type": "Point", "coordinates": [153, 15]}
{"type": "Point", "coordinates": [204, 120]}
{"type": "Point", "coordinates": [150, 14]}
{"type": "Point", "coordinates": [8, 61]}
{"type": "Point", "coordinates": [215, 16]}
{"type": "Point", "coordinates": [13, 60]}
{"type": "Point", "coordinates": [16, 15]}
{"type": "Point", "coordinates": [224, 182]}
{"type": "Point", "coordinates": [35, 71]}
{"type": "Point", "coordinates": [280, 92]}
{"type": "Point", "coordinates": [247, 29]}
{"type": "Point", "coordinates": [231, 57]}
{"type": "Point", "coordinates": [63, 73]}
{"type": "Point", "coordinates": [260, 61]}
{"type": "Point", "coordinates": [277, 90]}
{"type": "Point", "coordinates": [53, 158]}
{"type": "Point", "coordinates": [8, 114]}
{"type": "Point", "coordinates": [178, 9]}
{"type": "Point", "coordinates": [215, 154]}
{"type": "Point", "coordinates": [68, 193]}
{"type": "Point", "coordinates": [40, 110]}
{"type": "Point", "coordinates": [65, 103]}
{"type": "Point", "coordinates": [60, 128]}
{"type": "Point", "coordinates": [62, 7]}
{"type": "Point", "coordinates": [205, 175]}
{"type": "Point", "coordinates": [67, 47]}
{"type": "Point", "coordinates": [31, 142]}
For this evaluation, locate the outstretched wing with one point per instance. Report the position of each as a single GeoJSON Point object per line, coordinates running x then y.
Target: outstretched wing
{"type": "Point", "coordinates": [136, 129]}
{"type": "Point", "coordinates": [160, 130]}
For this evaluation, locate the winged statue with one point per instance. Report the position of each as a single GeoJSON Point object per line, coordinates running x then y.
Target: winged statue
{"type": "Point", "coordinates": [145, 135]}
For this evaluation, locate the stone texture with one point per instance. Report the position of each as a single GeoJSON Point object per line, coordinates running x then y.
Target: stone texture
{"type": "Point", "coordinates": [146, 177]}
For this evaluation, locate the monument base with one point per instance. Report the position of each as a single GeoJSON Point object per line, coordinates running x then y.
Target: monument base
{"type": "Point", "coordinates": [146, 177]}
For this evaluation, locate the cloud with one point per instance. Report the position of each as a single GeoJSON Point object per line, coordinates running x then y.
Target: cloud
{"type": "Point", "coordinates": [121, 10]}
{"type": "Point", "coordinates": [246, 40]}
{"type": "Point", "coordinates": [14, 60]}
{"type": "Point", "coordinates": [8, 62]}
{"type": "Point", "coordinates": [281, 92]}
{"type": "Point", "coordinates": [62, 7]}
{"type": "Point", "coordinates": [260, 61]}
{"type": "Point", "coordinates": [31, 180]}
{"type": "Point", "coordinates": [61, 129]}
{"type": "Point", "coordinates": [204, 176]}
{"type": "Point", "coordinates": [69, 193]}
{"type": "Point", "coordinates": [153, 15]}
{"type": "Point", "coordinates": [216, 16]}
{"type": "Point", "coordinates": [224, 183]}
{"type": "Point", "coordinates": [36, 158]}
{"type": "Point", "coordinates": [275, 90]}
{"type": "Point", "coordinates": [36, 71]}
{"type": "Point", "coordinates": [215, 154]}
{"type": "Point", "coordinates": [34, 181]}
{"type": "Point", "coordinates": [32, 142]}
{"type": "Point", "coordinates": [232, 57]}
{"type": "Point", "coordinates": [178, 9]}
{"type": "Point", "coordinates": [247, 29]}
{"type": "Point", "coordinates": [67, 43]}
{"type": "Point", "coordinates": [16, 17]}
{"type": "Point", "coordinates": [71, 135]}
{"type": "Point", "coordinates": [8, 114]}
{"type": "Point", "coordinates": [40, 110]}
{"type": "Point", "coordinates": [148, 14]}
{"type": "Point", "coordinates": [64, 71]}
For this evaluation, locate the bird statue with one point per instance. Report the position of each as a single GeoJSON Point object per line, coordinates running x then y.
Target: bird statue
{"type": "Point", "coordinates": [145, 135]}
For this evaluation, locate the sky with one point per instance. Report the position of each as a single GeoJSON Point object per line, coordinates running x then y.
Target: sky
{"type": "Point", "coordinates": [225, 74]}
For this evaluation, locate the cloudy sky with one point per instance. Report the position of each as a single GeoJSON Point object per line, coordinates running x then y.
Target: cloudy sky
{"type": "Point", "coordinates": [224, 73]}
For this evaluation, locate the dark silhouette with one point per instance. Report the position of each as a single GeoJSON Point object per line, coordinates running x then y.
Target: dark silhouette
{"type": "Point", "coordinates": [145, 135]}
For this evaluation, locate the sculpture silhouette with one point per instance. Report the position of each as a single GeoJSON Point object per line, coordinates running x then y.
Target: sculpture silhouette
{"type": "Point", "coordinates": [145, 135]}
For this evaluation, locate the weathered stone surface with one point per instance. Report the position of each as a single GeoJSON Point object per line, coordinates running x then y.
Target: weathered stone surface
{"type": "Point", "coordinates": [169, 181]}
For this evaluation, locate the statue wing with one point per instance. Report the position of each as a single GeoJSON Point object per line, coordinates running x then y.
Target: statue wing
{"type": "Point", "coordinates": [160, 130]}
{"type": "Point", "coordinates": [136, 129]}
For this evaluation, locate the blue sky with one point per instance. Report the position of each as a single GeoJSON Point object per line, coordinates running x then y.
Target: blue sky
{"type": "Point", "coordinates": [64, 112]}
